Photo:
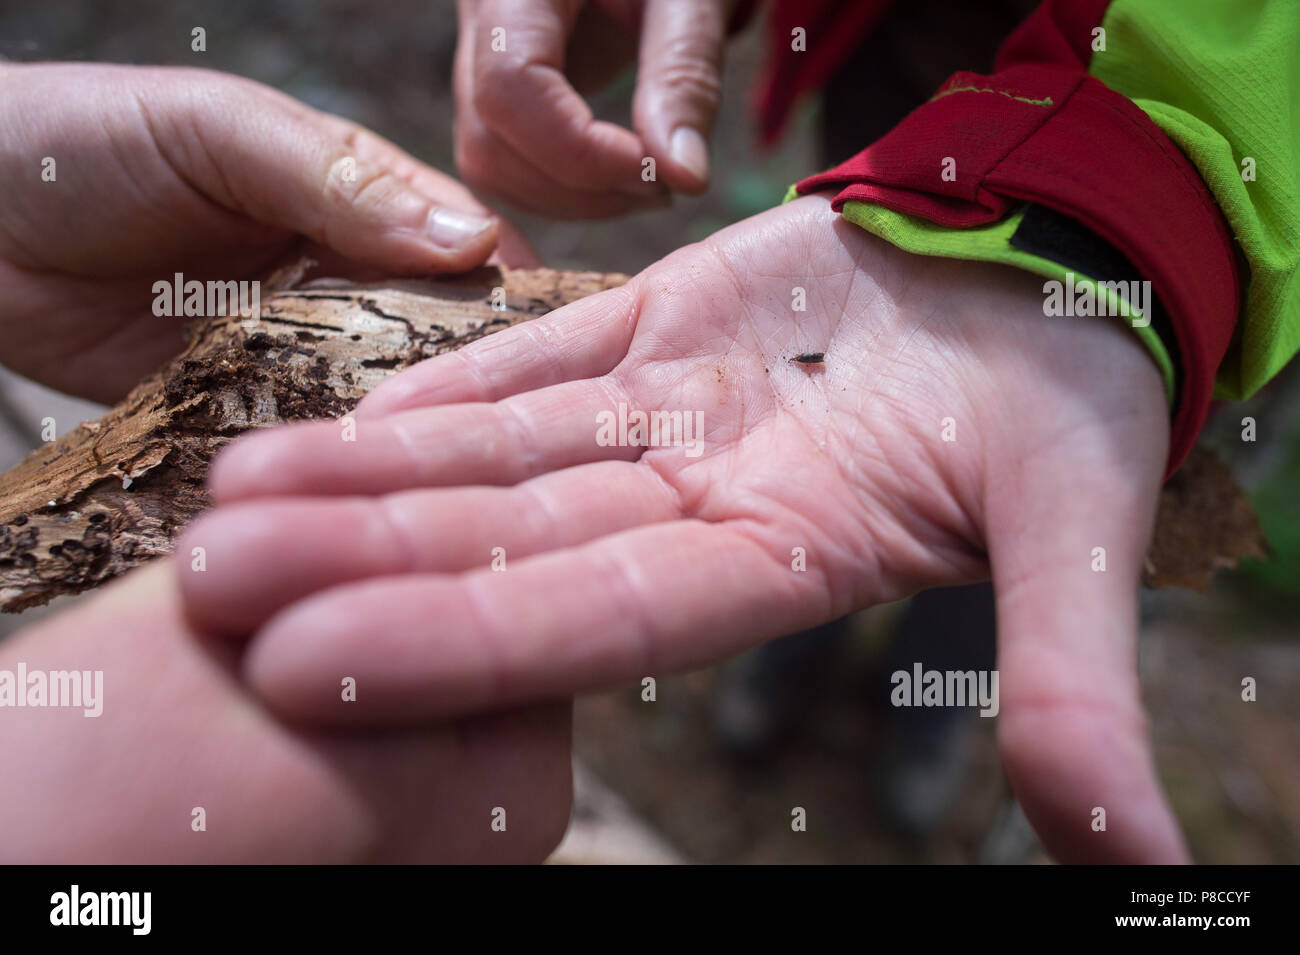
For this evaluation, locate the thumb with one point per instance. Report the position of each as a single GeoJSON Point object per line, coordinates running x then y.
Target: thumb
{"type": "Point", "coordinates": [277, 161]}
{"type": "Point", "coordinates": [1068, 532]}
{"type": "Point", "coordinates": [678, 87]}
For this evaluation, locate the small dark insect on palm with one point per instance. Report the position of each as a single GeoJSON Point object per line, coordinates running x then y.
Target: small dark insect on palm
{"type": "Point", "coordinates": [810, 358]}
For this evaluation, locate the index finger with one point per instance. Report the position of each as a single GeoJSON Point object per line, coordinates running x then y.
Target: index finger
{"type": "Point", "coordinates": [520, 92]}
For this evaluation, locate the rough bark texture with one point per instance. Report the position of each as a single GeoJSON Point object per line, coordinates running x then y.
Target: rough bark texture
{"type": "Point", "coordinates": [113, 493]}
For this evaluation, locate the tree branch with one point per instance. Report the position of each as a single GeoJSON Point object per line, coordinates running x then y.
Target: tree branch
{"type": "Point", "coordinates": [113, 493]}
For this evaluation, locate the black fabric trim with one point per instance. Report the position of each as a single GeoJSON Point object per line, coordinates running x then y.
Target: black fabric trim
{"type": "Point", "coordinates": [1051, 235]}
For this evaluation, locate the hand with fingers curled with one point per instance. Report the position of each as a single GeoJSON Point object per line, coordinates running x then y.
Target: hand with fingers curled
{"type": "Point", "coordinates": [918, 424]}
{"type": "Point", "coordinates": [525, 134]}
{"type": "Point", "coordinates": [133, 174]}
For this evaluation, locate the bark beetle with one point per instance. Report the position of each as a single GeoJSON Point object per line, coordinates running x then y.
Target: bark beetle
{"type": "Point", "coordinates": [113, 493]}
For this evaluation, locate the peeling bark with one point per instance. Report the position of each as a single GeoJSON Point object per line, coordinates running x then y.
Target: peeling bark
{"type": "Point", "coordinates": [113, 493]}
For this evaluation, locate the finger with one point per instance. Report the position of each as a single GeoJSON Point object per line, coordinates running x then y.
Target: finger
{"type": "Point", "coordinates": [584, 339]}
{"type": "Point", "coordinates": [623, 607]}
{"type": "Point", "coordinates": [519, 91]}
{"type": "Point", "coordinates": [513, 248]}
{"type": "Point", "coordinates": [496, 444]}
{"type": "Point", "coordinates": [262, 555]}
{"type": "Point", "coordinates": [272, 159]}
{"type": "Point", "coordinates": [679, 84]}
{"type": "Point", "coordinates": [1071, 729]}
{"type": "Point", "coordinates": [491, 165]}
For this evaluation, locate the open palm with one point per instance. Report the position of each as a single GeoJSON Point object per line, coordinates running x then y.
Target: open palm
{"type": "Point", "coordinates": [952, 430]}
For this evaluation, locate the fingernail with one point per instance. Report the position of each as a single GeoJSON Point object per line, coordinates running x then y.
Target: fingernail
{"type": "Point", "coordinates": [455, 230]}
{"type": "Point", "coordinates": [688, 149]}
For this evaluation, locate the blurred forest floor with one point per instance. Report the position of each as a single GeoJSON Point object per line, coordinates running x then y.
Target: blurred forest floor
{"type": "Point", "coordinates": [1231, 768]}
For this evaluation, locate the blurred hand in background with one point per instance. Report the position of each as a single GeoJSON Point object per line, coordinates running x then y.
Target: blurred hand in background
{"type": "Point", "coordinates": [524, 132]}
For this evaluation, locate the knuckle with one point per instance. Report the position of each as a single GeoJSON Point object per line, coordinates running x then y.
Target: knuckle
{"type": "Point", "coordinates": [350, 179]}
{"type": "Point", "coordinates": [360, 169]}
{"type": "Point", "coordinates": [691, 79]}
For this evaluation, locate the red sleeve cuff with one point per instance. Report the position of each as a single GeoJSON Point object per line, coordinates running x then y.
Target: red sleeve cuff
{"type": "Point", "coordinates": [1054, 136]}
